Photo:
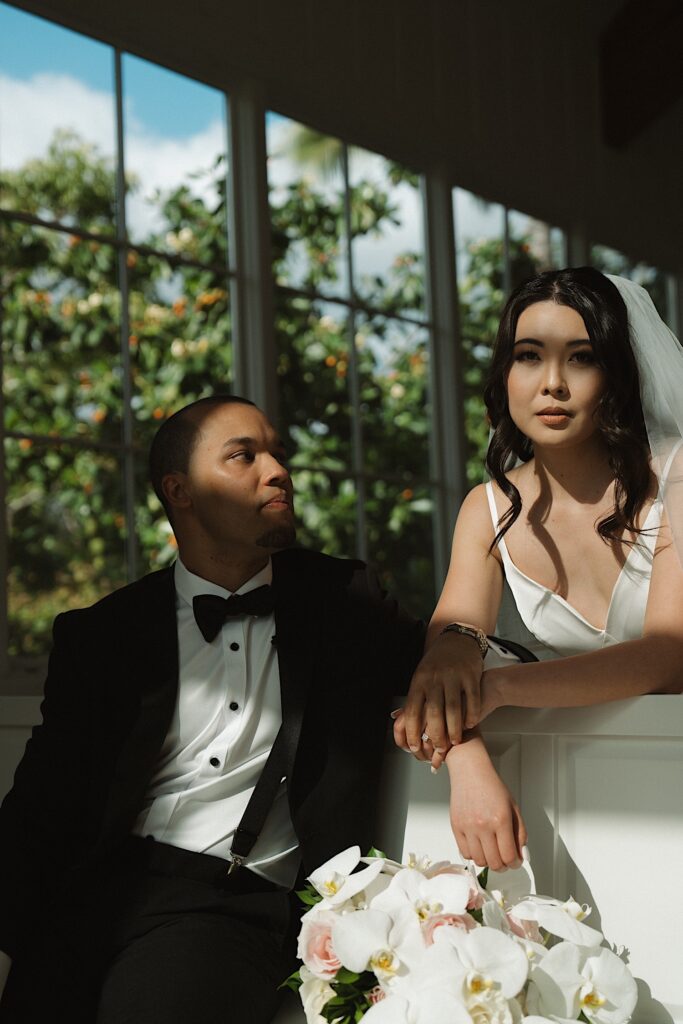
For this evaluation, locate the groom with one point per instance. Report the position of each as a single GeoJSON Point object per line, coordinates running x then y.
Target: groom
{"type": "Point", "coordinates": [144, 876]}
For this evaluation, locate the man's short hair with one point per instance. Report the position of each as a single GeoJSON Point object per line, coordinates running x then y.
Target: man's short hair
{"type": "Point", "coordinates": [175, 440]}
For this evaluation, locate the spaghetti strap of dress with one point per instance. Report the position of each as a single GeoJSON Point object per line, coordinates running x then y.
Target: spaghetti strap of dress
{"type": "Point", "coordinates": [494, 519]}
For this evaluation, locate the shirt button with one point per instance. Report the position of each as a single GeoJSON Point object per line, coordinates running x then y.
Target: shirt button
{"type": "Point", "coordinates": [234, 706]}
{"type": "Point", "coordinates": [214, 761]}
{"type": "Point", "coordinates": [234, 646]}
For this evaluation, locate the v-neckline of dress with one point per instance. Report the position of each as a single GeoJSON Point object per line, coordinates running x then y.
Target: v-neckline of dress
{"type": "Point", "coordinates": [563, 600]}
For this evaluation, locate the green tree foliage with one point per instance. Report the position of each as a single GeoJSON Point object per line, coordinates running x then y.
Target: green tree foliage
{"type": "Point", "coordinates": [482, 297]}
{"type": "Point", "coordinates": [65, 368]}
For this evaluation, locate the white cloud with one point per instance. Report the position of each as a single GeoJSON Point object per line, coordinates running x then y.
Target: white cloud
{"type": "Point", "coordinates": [372, 255]}
{"type": "Point", "coordinates": [31, 111]}
{"type": "Point", "coordinates": [162, 163]}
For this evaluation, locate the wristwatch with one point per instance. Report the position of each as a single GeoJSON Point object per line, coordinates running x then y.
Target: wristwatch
{"type": "Point", "coordinates": [477, 634]}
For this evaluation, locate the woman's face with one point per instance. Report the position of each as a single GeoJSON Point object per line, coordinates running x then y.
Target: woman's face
{"type": "Point", "coordinates": [554, 384]}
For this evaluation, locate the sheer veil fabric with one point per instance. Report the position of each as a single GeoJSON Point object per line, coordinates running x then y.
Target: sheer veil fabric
{"type": "Point", "coordinates": [659, 356]}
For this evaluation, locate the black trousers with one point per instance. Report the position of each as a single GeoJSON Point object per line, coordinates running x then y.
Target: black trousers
{"type": "Point", "coordinates": [157, 937]}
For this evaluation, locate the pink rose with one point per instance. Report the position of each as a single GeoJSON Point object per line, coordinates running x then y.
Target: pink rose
{"type": "Point", "coordinates": [475, 900]}
{"type": "Point", "coordinates": [463, 921]}
{"type": "Point", "coordinates": [315, 945]}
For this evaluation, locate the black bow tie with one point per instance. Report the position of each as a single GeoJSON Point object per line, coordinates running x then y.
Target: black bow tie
{"type": "Point", "coordinates": [211, 611]}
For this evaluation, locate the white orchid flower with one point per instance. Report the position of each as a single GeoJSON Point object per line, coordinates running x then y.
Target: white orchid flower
{"type": "Point", "coordinates": [609, 993]}
{"type": "Point", "coordinates": [371, 889]}
{"type": "Point", "coordinates": [535, 1019]}
{"type": "Point", "coordinates": [361, 941]}
{"type": "Point", "coordinates": [493, 916]}
{"type": "Point", "coordinates": [411, 900]}
{"type": "Point", "coordinates": [334, 879]}
{"type": "Point", "coordinates": [570, 980]}
{"type": "Point", "coordinates": [442, 988]}
{"type": "Point", "coordinates": [513, 885]}
{"type": "Point", "coordinates": [314, 993]}
{"type": "Point", "coordinates": [443, 894]}
{"type": "Point", "coordinates": [430, 1006]}
{"type": "Point", "coordinates": [419, 862]}
{"type": "Point", "coordinates": [491, 961]}
{"type": "Point", "coordinates": [561, 919]}
{"type": "Point", "coordinates": [392, 1010]}
{"type": "Point", "coordinates": [433, 990]}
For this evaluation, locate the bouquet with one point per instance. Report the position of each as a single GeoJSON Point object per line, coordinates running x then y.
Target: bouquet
{"type": "Point", "coordinates": [386, 943]}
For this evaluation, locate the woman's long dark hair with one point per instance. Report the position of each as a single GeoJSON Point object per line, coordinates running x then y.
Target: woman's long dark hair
{"type": "Point", "coordinates": [619, 415]}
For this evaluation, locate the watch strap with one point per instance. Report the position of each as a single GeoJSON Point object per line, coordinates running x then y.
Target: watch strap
{"type": "Point", "coordinates": [478, 635]}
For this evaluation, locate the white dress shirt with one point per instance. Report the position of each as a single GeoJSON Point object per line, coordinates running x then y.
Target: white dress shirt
{"type": "Point", "coordinates": [226, 718]}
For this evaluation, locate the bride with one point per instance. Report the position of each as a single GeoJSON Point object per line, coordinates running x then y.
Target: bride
{"type": "Point", "coordinates": [583, 404]}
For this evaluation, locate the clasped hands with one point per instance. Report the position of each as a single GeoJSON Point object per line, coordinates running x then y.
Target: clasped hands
{"type": "Point", "coordinates": [450, 693]}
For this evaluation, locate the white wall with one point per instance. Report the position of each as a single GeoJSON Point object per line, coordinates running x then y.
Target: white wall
{"type": "Point", "coordinates": [601, 791]}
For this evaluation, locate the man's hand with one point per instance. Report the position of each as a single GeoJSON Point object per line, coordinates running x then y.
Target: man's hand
{"type": "Point", "coordinates": [444, 697]}
{"type": "Point", "coordinates": [486, 822]}
{"type": "Point", "coordinates": [491, 695]}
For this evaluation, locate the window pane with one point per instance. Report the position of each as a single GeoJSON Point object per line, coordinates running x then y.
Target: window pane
{"type": "Point", "coordinates": [655, 281]}
{"type": "Point", "coordinates": [307, 207]}
{"type": "Point", "coordinates": [394, 372]}
{"type": "Point", "coordinates": [60, 334]}
{"type": "Point", "coordinates": [156, 541]}
{"type": "Point", "coordinates": [400, 542]}
{"type": "Point", "coordinates": [57, 129]}
{"type": "Point", "coordinates": [313, 372]}
{"type": "Point", "coordinates": [479, 234]}
{"type": "Point", "coordinates": [175, 162]}
{"type": "Point", "coordinates": [388, 234]}
{"type": "Point", "coordinates": [534, 246]}
{"type": "Point", "coordinates": [325, 511]}
{"type": "Point", "coordinates": [66, 535]}
{"type": "Point", "coordinates": [480, 255]}
{"type": "Point", "coordinates": [180, 340]}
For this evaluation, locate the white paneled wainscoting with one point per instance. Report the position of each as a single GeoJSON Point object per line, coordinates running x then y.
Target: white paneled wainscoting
{"type": "Point", "coordinates": [601, 791]}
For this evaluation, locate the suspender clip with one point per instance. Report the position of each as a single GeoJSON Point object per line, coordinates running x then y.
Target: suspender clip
{"type": "Point", "coordinates": [235, 862]}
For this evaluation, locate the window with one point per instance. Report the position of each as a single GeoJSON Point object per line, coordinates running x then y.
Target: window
{"type": "Point", "coordinates": [353, 341]}
{"type": "Point", "coordinates": [661, 286]}
{"type": "Point", "coordinates": [119, 294]}
{"type": "Point", "coordinates": [496, 250]}
{"type": "Point", "coordinates": [115, 309]}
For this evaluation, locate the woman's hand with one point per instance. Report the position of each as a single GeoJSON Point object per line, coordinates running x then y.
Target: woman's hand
{"type": "Point", "coordinates": [486, 822]}
{"type": "Point", "coordinates": [444, 697]}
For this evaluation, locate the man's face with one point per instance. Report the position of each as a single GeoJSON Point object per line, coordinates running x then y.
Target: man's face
{"type": "Point", "coordinates": [238, 485]}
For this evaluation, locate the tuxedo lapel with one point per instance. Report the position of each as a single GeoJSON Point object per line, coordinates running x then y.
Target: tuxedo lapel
{"type": "Point", "coordinates": [150, 686]}
{"type": "Point", "coordinates": [299, 616]}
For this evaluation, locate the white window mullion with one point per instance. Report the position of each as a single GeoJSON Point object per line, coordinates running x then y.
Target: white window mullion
{"type": "Point", "coordinates": [253, 329]}
{"type": "Point", "coordinates": [578, 249]}
{"type": "Point", "coordinates": [128, 425]}
{"type": "Point", "coordinates": [448, 451]}
{"type": "Point", "coordinates": [4, 542]}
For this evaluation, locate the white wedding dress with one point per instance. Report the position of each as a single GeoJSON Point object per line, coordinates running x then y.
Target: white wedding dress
{"type": "Point", "coordinates": [551, 627]}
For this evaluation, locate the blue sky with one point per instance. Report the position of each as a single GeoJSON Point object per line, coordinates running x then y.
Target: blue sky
{"type": "Point", "coordinates": [165, 103]}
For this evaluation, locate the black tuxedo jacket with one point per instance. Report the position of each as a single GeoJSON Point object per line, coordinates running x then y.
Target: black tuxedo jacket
{"type": "Point", "coordinates": [343, 648]}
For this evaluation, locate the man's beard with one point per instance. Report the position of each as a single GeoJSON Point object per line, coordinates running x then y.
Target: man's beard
{"type": "Point", "coordinates": [278, 538]}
